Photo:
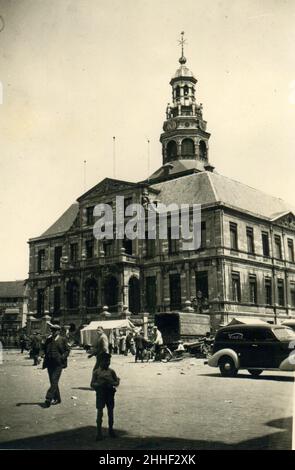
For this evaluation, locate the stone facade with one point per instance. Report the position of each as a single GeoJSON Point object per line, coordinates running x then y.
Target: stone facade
{"type": "Point", "coordinates": [238, 270]}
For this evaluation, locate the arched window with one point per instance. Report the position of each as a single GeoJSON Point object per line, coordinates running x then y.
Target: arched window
{"type": "Point", "coordinates": [202, 150]}
{"type": "Point", "coordinates": [111, 290]}
{"type": "Point", "coordinates": [91, 293]}
{"type": "Point", "coordinates": [177, 92]}
{"type": "Point", "coordinates": [171, 150]}
{"type": "Point", "coordinates": [185, 90]}
{"type": "Point", "coordinates": [72, 294]}
{"type": "Point", "coordinates": [187, 148]}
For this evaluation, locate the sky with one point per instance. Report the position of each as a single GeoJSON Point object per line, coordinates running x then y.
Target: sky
{"type": "Point", "coordinates": [75, 73]}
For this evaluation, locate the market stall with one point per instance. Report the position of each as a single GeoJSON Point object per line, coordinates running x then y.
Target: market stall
{"type": "Point", "coordinates": [89, 334]}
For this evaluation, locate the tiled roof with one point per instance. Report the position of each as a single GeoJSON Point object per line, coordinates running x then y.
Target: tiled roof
{"type": "Point", "coordinates": [64, 223]}
{"type": "Point", "coordinates": [12, 289]}
{"type": "Point", "coordinates": [208, 188]}
{"type": "Point", "coordinates": [177, 167]}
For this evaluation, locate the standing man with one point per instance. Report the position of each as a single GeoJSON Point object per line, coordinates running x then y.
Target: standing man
{"type": "Point", "coordinates": [140, 346]}
{"type": "Point", "coordinates": [56, 350]}
{"type": "Point", "coordinates": [100, 347]}
{"type": "Point", "coordinates": [158, 342]}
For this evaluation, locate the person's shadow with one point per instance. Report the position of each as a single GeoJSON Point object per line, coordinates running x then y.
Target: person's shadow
{"type": "Point", "coordinates": [41, 405]}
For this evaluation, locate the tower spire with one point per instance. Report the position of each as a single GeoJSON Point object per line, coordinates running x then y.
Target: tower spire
{"type": "Point", "coordinates": [182, 42]}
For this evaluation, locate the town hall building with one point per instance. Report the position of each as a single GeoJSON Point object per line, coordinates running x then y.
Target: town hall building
{"type": "Point", "coordinates": [244, 266]}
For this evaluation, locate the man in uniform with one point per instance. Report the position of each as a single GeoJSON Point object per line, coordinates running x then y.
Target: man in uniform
{"type": "Point", "coordinates": [56, 350]}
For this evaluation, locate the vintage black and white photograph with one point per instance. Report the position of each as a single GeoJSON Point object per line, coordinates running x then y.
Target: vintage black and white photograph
{"type": "Point", "coordinates": [147, 204]}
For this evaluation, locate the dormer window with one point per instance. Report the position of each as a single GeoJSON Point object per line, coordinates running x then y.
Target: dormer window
{"type": "Point", "coordinates": [89, 215]}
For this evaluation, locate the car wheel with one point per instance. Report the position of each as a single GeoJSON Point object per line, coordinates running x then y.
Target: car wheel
{"type": "Point", "coordinates": [255, 372]}
{"type": "Point", "coordinates": [227, 367]}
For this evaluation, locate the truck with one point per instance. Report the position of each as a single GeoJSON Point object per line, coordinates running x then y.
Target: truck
{"type": "Point", "coordinates": [181, 326]}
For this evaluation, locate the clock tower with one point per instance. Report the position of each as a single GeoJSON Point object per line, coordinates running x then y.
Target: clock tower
{"type": "Point", "coordinates": [185, 136]}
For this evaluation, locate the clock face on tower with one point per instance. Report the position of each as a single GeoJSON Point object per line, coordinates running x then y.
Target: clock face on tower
{"type": "Point", "coordinates": [170, 126]}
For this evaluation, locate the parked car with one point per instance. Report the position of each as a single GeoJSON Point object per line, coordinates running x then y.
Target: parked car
{"type": "Point", "coordinates": [253, 347]}
{"type": "Point", "coordinates": [290, 323]}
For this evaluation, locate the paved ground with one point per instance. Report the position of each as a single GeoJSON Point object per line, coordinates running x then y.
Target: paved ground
{"type": "Point", "coordinates": [183, 405]}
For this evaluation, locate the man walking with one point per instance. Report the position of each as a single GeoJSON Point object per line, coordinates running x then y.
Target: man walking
{"type": "Point", "coordinates": [56, 351]}
{"type": "Point", "coordinates": [100, 347]}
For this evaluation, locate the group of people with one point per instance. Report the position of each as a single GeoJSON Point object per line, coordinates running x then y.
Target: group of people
{"type": "Point", "coordinates": [56, 349]}
{"type": "Point", "coordinates": [104, 379]}
{"type": "Point", "coordinates": [121, 343]}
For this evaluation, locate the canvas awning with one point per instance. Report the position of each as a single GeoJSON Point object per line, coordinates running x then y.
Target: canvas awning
{"type": "Point", "coordinates": [88, 334]}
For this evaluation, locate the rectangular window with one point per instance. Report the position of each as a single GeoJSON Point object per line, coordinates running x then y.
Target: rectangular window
{"type": "Point", "coordinates": [250, 240]}
{"type": "Point", "coordinates": [89, 215]}
{"type": "Point", "coordinates": [278, 247]}
{"type": "Point", "coordinates": [128, 245]}
{"type": "Point", "coordinates": [281, 294]}
{"type": "Point", "coordinates": [173, 245]}
{"type": "Point", "coordinates": [74, 252]}
{"type": "Point", "coordinates": [292, 294]}
{"type": "Point", "coordinates": [236, 287]}
{"type": "Point", "coordinates": [56, 301]}
{"type": "Point", "coordinates": [41, 260]}
{"type": "Point", "coordinates": [89, 245]}
{"type": "Point", "coordinates": [290, 250]}
{"type": "Point", "coordinates": [108, 247]}
{"type": "Point", "coordinates": [175, 291]}
{"type": "Point", "coordinates": [268, 291]}
{"type": "Point", "coordinates": [57, 257]}
{"type": "Point", "coordinates": [202, 284]}
{"type": "Point", "coordinates": [151, 294]}
{"type": "Point", "coordinates": [233, 235]}
{"type": "Point", "coordinates": [253, 289]}
{"type": "Point", "coordinates": [265, 243]}
{"type": "Point", "coordinates": [150, 246]}
{"type": "Point", "coordinates": [40, 302]}
{"type": "Point", "coordinates": [203, 234]}
{"type": "Point", "coordinates": [127, 202]}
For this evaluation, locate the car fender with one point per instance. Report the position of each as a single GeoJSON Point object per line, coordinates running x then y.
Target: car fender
{"type": "Point", "coordinates": [214, 359]}
{"type": "Point", "coordinates": [288, 364]}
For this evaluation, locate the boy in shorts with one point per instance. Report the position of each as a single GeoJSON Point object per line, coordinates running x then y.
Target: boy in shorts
{"type": "Point", "coordinates": [104, 382]}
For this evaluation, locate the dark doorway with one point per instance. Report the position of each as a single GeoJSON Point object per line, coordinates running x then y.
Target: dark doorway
{"type": "Point", "coordinates": [134, 295]}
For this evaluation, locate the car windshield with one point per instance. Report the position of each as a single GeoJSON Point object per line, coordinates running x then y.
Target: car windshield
{"type": "Point", "coordinates": [284, 334]}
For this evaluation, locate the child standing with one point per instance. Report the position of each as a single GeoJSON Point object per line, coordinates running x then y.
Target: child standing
{"type": "Point", "coordinates": [104, 382]}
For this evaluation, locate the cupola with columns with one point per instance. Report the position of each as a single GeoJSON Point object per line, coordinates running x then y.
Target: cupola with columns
{"type": "Point", "coordinates": [185, 136]}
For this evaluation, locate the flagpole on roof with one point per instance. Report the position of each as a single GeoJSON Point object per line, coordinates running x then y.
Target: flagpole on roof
{"type": "Point", "coordinates": [114, 157]}
{"type": "Point", "coordinates": [84, 168]}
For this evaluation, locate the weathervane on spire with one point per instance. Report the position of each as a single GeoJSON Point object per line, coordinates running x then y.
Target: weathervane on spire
{"type": "Point", "coordinates": [182, 42]}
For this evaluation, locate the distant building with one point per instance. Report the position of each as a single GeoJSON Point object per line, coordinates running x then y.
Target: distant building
{"type": "Point", "coordinates": [13, 310]}
{"type": "Point", "coordinates": [245, 264]}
